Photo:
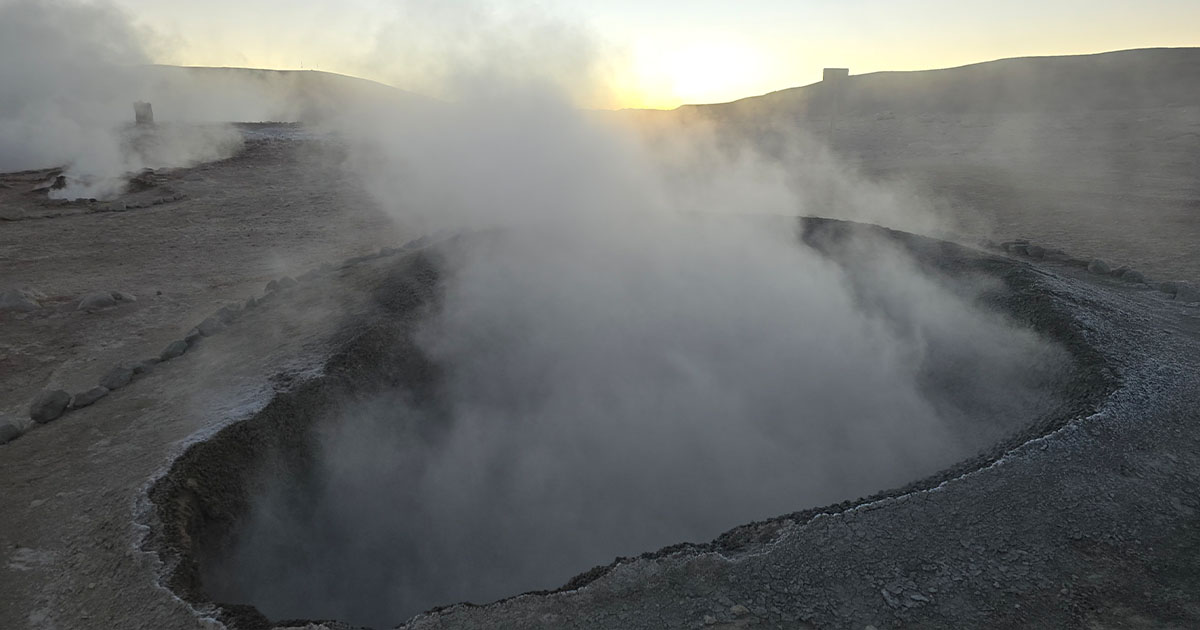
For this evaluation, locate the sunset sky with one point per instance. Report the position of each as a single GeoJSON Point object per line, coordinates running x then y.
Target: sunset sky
{"type": "Point", "coordinates": [655, 54]}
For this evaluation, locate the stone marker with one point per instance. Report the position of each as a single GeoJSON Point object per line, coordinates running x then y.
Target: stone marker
{"type": "Point", "coordinates": [173, 350]}
{"type": "Point", "coordinates": [117, 378]}
{"type": "Point", "coordinates": [97, 300]}
{"type": "Point", "coordinates": [49, 405]}
{"type": "Point", "coordinates": [89, 397]}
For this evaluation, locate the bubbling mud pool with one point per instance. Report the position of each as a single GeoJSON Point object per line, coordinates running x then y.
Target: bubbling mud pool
{"type": "Point", "coordinates": [442, 459]}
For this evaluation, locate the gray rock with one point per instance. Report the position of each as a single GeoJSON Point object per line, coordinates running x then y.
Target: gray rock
{"type": "Point", "coordinates": [287, 282]}
{"type": "Point", "coordinates": [49, 405]}
{"type": "Point", "coordinates": [145, 365]}
{"type": "Point", "coordinates": [173, 350]}
{"type": "Point", "coordinates": [1187, 293]}
{"type": "Point", "coordinates": [738, 610]}
{"type": "Point", "coordinates": [1133, 275]}
{"type": "Point", "coordinates": [1019, 248]}
{"type": "Point", "coordinates": [123, 297]}
{"type": "Point", "coordinates": [226, 314]}
{"type": "Point", "coordinates": [1119, 271]}
{"type": "Point", "coordinates": [115, 206]}
{"type": "Point", "coordinates": [117, 377]}
{"type": "Point", "coordinates": [1035, 251]}
{"type": "Point", "coordinates": [210, 326]}
{"type": "Point", "coordinates": [97, 300]}
{"type": "Point", "coordinates": [1170, 287]}
{"type": "Point", "coordinates": [1099, 267]}
{"type": "Point", "coordinates": [14, 300]}
{"type": "Point", "coordinates": [193, 336]}
{"type": "Point", "coordinates": [251, 302]}
{"type": "Point", "coordinates": [8, 431]}
{"type": "Point", "coordinates": [89, 397]}
{"type": "Point", "coordinates": [272, 286]}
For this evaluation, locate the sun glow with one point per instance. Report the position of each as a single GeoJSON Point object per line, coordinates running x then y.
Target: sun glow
{"type": "Point", "coordinates": [666, 76]}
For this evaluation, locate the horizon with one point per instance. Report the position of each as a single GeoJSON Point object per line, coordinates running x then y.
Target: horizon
{"type": "Point", "coordinates": [621, 54]}
{"type": "Point", "coordinates": [734, 99]}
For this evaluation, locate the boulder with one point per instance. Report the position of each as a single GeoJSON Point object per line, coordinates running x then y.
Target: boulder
{"type": "Point", "coordinates": [1133, 275]}
{"type": "Point", "coordinates": [192, 337]}
{"type": "Point", "coordinates": [143, 366]}
{"type": "Point", "coordinates": [89, 397]}
{"type": "Point", "coordinates": [1170, 287]}
{"type": "Point", "coordinates": [49, 405]}
{"type": "Point", "coordinates": [210, 326]}
{"type": "Point", "coordinates": [117, 377]}
{"type": "Point", "coordinates": [14, 300]}
{"type": "Point", "coordinates": [97, 300]}
{"type": "Point", "coordinates": [1099, 267]}
{"type": "Point", "coordinates": [173, 350]}
{"type": "Point", "coordinates": [251, 302]}
{"type": "Point", "coordinates": [287, 282]}
{"type": "Point", "coordinates": [1187, 293]}
{"type": "Point", "coordinates": [272, 286]}
{"type": "Point", "coordinates": [226, 314]}
{"type": "Point", "coordinates": [123, 297]}
{"type": "Point", "coordinates": [9, 431]}
{"type": "Point", "coordinates": [1019, 248]}
{"type": "Point", "coordinates": [1035, 251]}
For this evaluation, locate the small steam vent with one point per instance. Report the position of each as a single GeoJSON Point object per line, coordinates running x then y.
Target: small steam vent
{"type": "Point", "coordinates": [143, 113]}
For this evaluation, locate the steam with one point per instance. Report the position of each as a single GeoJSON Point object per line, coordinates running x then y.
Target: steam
{"type": "Point", "coordinates": [637, 353]}
{"type": "Point", "coordinates": [71, 73]}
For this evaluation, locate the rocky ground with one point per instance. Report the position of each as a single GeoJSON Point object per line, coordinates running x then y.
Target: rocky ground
{"type": "Point", "coordinates": [1093, 525]}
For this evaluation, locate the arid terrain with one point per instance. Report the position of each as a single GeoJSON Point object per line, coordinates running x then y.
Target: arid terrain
{"type": "Point", "coordinates": [1087, 518]}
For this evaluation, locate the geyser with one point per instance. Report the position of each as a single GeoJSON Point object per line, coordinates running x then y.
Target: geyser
{"type": "Point", "coordinates": [498, 428]}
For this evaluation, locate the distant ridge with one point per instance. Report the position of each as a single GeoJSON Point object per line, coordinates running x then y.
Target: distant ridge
{"type": "Point", "coordinates": [1127, 79]}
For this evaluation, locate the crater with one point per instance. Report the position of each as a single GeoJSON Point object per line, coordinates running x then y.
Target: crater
{"type": "Point", "coordinates": [434, 462]}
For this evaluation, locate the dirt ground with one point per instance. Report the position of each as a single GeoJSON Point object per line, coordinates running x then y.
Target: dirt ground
{"type": "Point", "coordinates": [280, 207]}
{"type": "Point", "coordinates": [1113, 554]}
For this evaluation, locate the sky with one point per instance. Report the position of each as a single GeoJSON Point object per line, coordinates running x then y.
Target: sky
{"type": "Point", "coordinates": [660, 54]}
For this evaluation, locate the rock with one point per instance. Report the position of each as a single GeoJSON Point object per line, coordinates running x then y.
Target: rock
{"type": "Point", "coordinates": [115, 206]}
{"type": "Point", "coordinates": [287, 282]}
{"type": "Point", "coordinates": [1187, 293]}
{"type": "Point", "coordinates": [1099, 267]}
{"type": "Point", "coordinates": [738, 610]}
{"type": "Point", "coordinates": [1019, 248]}
{"type": "Point", "coordinates": [8, 431]}
{"type": "Point", "coordinates": [210, 326]}
{"type": "Point", "coordinates": [1170, 287]}
{"type": "Point", "coordinates": [97, 300]}
{"type": "Point", "coordinates": [1035, 251]}
{"type": "Point", "coordinates": [117, 378]}
{"type": "Point", "coordinates": [251, 302]}
{"type": "Point", "coordinates": [173, 350]}
{"type": "Point", "coordinates": [143, 366]}
{"type": "Point", "coordinates": [272, 286]}
{"type": "Point", "coordinates": [709, 620]}
{"type": "Point", "coordinates": [193, 336]}
{"type": "Point", "coordinates": [49, 405]}
{"type": "Point", "coordinates": [1132, 275]}
{"type": "Point", "coordinates": [89, 397]}
{"type": "Point", "coordinates": [227, 314]}
{"type": "Point", "coordinates": [1119, 271]}
{"type": "Point", "coordinates": [14, 300]}
{"type": "Point", "coordinates": [123, 297]}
